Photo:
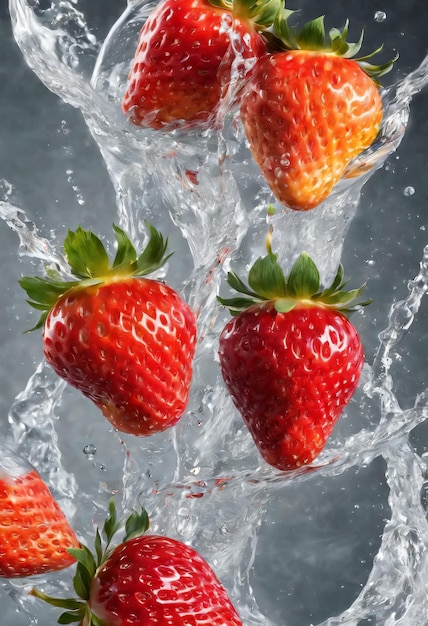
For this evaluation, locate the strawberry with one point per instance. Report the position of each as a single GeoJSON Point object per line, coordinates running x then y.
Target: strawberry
{"type": "Point", "coordinates": [35, 534]}
{"type": "Point", "coordinates": [181, 66]}
{"type": "Point", "coordinates": [146, 579]}
{"type": "Point", "coordinates": [125, 341]}
{"type": "Point", "coordinates": [290, 357]}
{"type": "Point", "coordinates": [309, 109]}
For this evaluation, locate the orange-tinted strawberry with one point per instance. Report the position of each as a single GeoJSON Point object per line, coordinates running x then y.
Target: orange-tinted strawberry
{"type": "Point", "coordinates": [181, 67]}
{"type": "Point", "coordinates": [125, 341]}
{"type": "Point", "coordinates": [34, 532]}
{"type": "Point", "coordinates": [309, 109]}
{"type": "Point", "coordinates": [290, 358]}
{"type": "Point", "coordinates": [147, 579]}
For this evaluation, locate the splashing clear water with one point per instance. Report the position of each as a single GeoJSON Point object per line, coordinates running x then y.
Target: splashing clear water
{"type": "Point", "coordinates": [203, 481]}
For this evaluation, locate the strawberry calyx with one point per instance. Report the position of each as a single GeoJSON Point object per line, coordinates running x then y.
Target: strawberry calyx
{"type": "Point", "coordinates": [89, 264]}
{"type": "Point", "coordinates": [312, 36]}
{"type": "Point", "coordinates": [261, 13]}
{"type": "Point", "coordinates": [88, 564]}
{"type": "Point", "coordinates": [268, 283]}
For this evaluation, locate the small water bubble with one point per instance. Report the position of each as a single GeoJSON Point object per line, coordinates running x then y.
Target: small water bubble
{"type": "Point", "coordinates": [409, 191]}
{"type": "Point", "coordinates": [380, 16]}
{"type": "Point", "coordinates": [422, 228]}
{"type": "Point", "coordinates": [89, 451]}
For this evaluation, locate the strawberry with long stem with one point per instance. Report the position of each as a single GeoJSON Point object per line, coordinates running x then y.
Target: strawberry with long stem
{"type": "Point", "coordinates": [146, 579]}
{"type": "Point", "coordinates": [34, 532]}
{"type": "Point", "coordinates": [310, 107]}
{"type": "Point", "coordinates": [182, 64]}
{"type": "Point", "coordinates": [290, 357]}
{"type": "Point", "coordinates": [125, 341]}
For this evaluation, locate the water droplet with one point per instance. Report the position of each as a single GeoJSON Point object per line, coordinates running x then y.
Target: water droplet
{"type": "Point", "coordinates": [380, 16]}
{"type": "Point", "coordinates": [89, 451]}
{"type": "Point", "coordinates": [409, 191]}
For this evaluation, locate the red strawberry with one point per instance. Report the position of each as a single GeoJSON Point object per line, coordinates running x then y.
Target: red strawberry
{"type": "Point", "coordinates": [34, 532]}
{"type": "Point", "coordinates": [175, 75]}
{"type": "Point", "coordinates": [290, 359]}
{"type": "Point", "coordinates": [126, 342]}
{"type": "Point", "coordinates": [309, 109]}
{"type": "Point", "coordinates": [147, 579]}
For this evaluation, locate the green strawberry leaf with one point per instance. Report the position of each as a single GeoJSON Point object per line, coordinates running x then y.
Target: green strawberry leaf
{"type": "Point", "coordinates": [136, 524]}
{"type": "Point", "coordinates": [111, 525]}
{"type": "Point", "coordinates": [70, 617]}
{"type": "Point", "coordinates": [126, 253]}
{"type": "Point", "coordinates": [98, 547]}
{"type": "Point", "coordinates": [312, 35]}
{"type": "Point", "coordinates": [236, 305]}
{"type": "Point", "coordinates": [86, 254]}
{"type": "Point", "coordinates": [61, 603]}
{"type": "Point", "coordinates": [153, 256]}
{"type": "Point", "coordinates": [82, 581]}
{"type": "Point", "coordinates": [44, 292]}
{"type": "Point", "coordinates": [338, 279]}
{"type": "Point", "coordinates": [236, 283]}
{"type": "Point", "coordinates": [85, 558]}
{"type": "Point", "coordinates": [304, 278]}
{"type": "Point", "coordinates": [267, 278]}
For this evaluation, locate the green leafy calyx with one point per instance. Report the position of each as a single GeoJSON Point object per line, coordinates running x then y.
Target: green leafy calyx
{"type": "Point", "coordinates": [312, 36]}
{"type": "Point", "coordinates": [89, 264]}
{"type": "Point", "coordinates": [88, 564]}
{"type": "Point", "coordinates": [261, 13]}
{"type": "Point", "coordinates": [268, 283]}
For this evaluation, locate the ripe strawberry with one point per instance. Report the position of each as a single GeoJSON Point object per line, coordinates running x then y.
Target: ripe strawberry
{"type": "Point", "coordinates": [147, 579]}
{"type": "Point", "coordinates": [126, 342]}
{"type": "Point", "coordinates": [290, 359]}
{"type": "Point", "coordinates": [34, 532]}
{"type": "Point", "coordinates": [181, 63]}
{"type": "Point", "coordinates": [309, 109]}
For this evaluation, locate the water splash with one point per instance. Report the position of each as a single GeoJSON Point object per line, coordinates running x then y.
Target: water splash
{"type": "Point", "coordinates": [203, 481]}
